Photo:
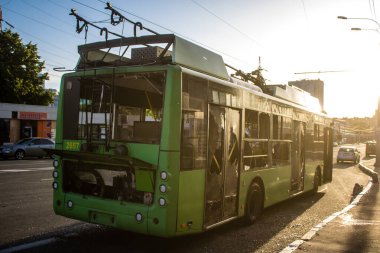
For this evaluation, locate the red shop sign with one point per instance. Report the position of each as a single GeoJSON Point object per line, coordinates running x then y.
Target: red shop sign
{"type": "Point", "coordinates": [32, 115]}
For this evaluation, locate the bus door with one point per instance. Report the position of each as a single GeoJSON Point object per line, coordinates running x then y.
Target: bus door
{"type": "Point", "coordinates": [223, 164]}
{"type": "Point", "coordinates": [328, 155]}
{"type": "Point", "coordinates": [298, 156]}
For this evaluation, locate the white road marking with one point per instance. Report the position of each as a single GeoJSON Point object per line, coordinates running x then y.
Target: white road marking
{"type": "Point", "coordinates": [13, 170]}
{"type": "Point", "coordinates": [23, 164]}
{"type": "Point", "coordinates": [25, 170]}
{"type": "Point", "coordinates": [47, 179]}
{"type": "Point", "coordinates": [29, 245]}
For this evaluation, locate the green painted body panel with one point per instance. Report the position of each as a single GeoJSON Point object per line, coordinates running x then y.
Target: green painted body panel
{"type": "Point", "coordinates": [169, 158]}
{"type": "Point", "coordinates": [183, 212]}
{"type": "Point", "coordinates": [191, 201]}
{"type": "Point", "coordinates": [276, 183]}
{"type": "Point", "coordinates": [169, 161]}
{"type": "Point", "coordinates": [144, 180]}
{"type": "Point", "coordinates": [164, 157]}
{"type": "Point", "coordinates": [123, 212]}
{"type": "Point", "coordinates": [310, 169]}
{"type": "Point", "coordinates": [171, 125]}
{"type": "Point", "coordinates": [144, 152]}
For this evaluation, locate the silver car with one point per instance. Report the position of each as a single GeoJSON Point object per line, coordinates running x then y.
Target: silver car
{"type": "Point", "coordinates": [348, 153]}
{"type": "Point", "coordinates": [27, 147]}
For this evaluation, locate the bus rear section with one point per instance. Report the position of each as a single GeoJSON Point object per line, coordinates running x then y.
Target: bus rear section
{"type": "Point", "coordinates": [114, 161]}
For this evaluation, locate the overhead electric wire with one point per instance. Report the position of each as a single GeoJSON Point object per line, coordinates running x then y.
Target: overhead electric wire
{"type": "Point", "coordinates": [183, 36]}
{"type": "Point", "coordinates": [68, 10]}
{"type": "Point", "coordinates": [304, 11]}
{"type": "Point", "coordinates": [51, 65]}
{"type": "Point", "coordinates": [44, 41]}
{"type": "Point", "coordinates": [92, 8]}
{"type": "Point", "coordinates": [42, 23]}
{"type": "Point", "coordinates": [54, 54]}
{"type": "Point", "coordinates": [227, 23]}
{"type": "Point", "coordinates": [136, 16]}
{"type": "Point", "coordinates": [374, 9]}
{"type": "Point", "coordinates": [45, 12]}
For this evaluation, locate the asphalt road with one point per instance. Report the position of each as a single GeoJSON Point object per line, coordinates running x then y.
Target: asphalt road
{"type": "Point", "coordinates": [26, 199]}
{"type": "Point", "coordinates": [26, 216]}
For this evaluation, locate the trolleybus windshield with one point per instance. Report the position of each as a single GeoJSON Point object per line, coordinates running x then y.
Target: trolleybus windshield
{"type": "Point", "coordinates": [121, 107]}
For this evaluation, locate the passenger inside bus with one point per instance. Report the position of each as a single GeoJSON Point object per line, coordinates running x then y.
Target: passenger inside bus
{"type": "Point", "coordinates": [216, 143]}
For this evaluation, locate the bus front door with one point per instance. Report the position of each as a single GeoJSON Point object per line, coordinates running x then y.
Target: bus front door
{"type": "Point", "coordinates": [223, 164]}
{"type": "Point", "coordinates": [298, 157]}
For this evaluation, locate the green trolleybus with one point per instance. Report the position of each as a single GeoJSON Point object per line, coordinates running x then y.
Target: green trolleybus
{"type": "Point", "coordinates": [162, 141]}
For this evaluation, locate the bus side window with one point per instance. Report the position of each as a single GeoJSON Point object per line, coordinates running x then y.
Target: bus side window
{"type": "Point", "coordinates": [194, 123]}
{"type": "Point", "coordinates": [318, 142]}
{"type": "Point", "coordinates": [256, 138]}
{"type": "Point", "coordinates": [281, 140]}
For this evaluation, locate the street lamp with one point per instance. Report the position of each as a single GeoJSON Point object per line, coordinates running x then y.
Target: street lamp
{"type": "Point", "coordinates": [370, 19]}
{"type": "Point", "coordinates": [377, 116]}
{"type": "Point", "coordinates": [362, 29]}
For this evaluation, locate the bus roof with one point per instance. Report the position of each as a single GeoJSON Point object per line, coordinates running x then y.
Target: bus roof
{"type": "Point", "coordinates": [146, 49]}
{"type": "Point", "coordinates": [171, 49]}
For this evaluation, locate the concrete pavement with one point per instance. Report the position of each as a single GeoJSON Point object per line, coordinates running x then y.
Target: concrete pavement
{"type": "Point", "coordinates": [355, 229]}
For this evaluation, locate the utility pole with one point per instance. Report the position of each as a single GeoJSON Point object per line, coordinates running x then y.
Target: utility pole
{"type": "Point", "coordinates": [377, 133]}
{"type": "Point", "coordinates": [377, 115]}
{"type": "Point", "coordinates": [1, 19]}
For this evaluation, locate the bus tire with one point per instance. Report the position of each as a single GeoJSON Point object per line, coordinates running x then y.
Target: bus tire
{"type": "Point", "coordinates": [317, 178]}
{"type": "Point", "coordinates": [255, 203]}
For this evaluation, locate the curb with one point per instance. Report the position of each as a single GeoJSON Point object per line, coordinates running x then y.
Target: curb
{"type": "Point", "coordinates": [369, 172]}
{"type": "Point", "coordinates": [314, 231]}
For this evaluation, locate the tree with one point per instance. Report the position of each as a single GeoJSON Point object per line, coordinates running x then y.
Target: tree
{"type": "Point", "coordinates": [21, 77]}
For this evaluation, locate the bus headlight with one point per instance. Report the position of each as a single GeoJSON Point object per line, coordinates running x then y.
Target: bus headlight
{"type": "Point", "coordinates": [164, 175]}
{"type": "Point", "coordinates": [162, 201]}
{"type": "Point", "coordinates": [163, 188]}
{"type": "Point", "coordinates": [70, 204]}
{"type": "Point", "coordinates": [55, 163]}
{"type": "Point", "coordinates": [138, 217]}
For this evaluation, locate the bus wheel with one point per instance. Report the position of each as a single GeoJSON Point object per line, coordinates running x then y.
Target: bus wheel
{"type": "Point", "coordinates": [316, 181]}
{"type": "Point", "coordinates": [254, 205]}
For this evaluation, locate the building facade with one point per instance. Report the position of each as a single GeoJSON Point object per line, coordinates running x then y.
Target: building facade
{"type": "Point", "coordinates": [18, 121]}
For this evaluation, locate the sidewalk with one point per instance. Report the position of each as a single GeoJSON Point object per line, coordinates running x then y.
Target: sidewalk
{"type": "Point", "coordinates": [355, 229]}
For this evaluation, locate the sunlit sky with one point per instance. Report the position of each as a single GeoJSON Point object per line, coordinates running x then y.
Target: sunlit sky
{"type": "Point", "coordinates": [290, 36]}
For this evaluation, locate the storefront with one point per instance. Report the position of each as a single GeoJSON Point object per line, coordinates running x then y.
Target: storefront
{"type": "Point", "coordinates": [22, 121]}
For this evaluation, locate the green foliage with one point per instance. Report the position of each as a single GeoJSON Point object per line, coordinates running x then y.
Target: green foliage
{"type": "Point", "coordinates": [21, 77]}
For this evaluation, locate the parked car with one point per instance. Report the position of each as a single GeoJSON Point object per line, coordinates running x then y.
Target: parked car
{"type": "Point", "coordinates": [348, 153]}
{"type": "Point", "coordinates": [370, 148]}
{"type": "Point", "coordinates": [27, 147]}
